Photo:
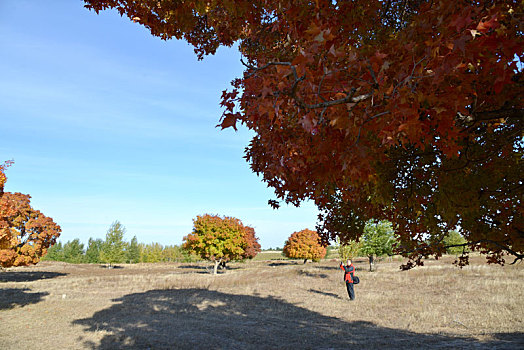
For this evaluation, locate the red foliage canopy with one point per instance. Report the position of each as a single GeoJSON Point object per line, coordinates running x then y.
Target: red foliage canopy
{"type": "Point", "coordinates": [408, 111]}
{"type": "Point", "coordinates": [252, 247]}
{"type": "Point", "coordinates": [25, 233]}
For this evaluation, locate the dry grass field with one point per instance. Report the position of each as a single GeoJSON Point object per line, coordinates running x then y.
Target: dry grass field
{"type": "Point", "coordinates": [261, 305]}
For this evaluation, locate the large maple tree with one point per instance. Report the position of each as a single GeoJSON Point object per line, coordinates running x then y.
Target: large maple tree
{"type": "Point", "coordinates": [304, 244]}
{"type": "Point", "coordinates": [25, 233]}
{"type": "Point", "coordinates": [401, 110]}
{"type": "Point", "coordinates": [221, 239]}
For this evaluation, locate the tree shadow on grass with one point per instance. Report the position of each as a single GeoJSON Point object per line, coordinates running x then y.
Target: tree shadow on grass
{"type": "Point", "coordinates": [208, 269]}
{"type": "Point", "coordinates": [28, 276]}
{"type": "Point", "coordinates": [287, 263]}
{"type": "Point", "coordinates": [204, 319]}
{"type": "Point", "coordinates": [329, 268]}
{"type": "Point", "coordinates": [11, 297]}
{"type": "Point", "coordinates": [195, 267]}
{"type": "Point", "coordinates": [325, 293]}
{"type": "Point", "coordinates": [312, 274]}
{"type": "Point", "coordinates": [111, 267]}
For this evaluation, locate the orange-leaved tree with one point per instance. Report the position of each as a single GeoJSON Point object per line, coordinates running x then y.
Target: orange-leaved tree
{"type": "Point", "coordinates": [402, 110]}
{"type": "Point", "coordinates": [220, 239]}
{"type": "Point", "coordinates": [25, 233]}
{"type": "Point", "coordinates": [305, 245]}
{"type": "Point", "coordinates": [253, 247]}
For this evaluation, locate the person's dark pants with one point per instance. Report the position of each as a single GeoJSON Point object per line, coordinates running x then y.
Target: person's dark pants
{"type": "Point", "coordinates": [351, 291]}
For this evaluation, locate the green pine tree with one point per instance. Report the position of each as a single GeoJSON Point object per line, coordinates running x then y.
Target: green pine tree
{"type": "Point", "coordinates": [55, 253]}
{"type": "Point", "coordinates": [133, 251]}
{"type": "Point", "coordinates": [172, 253]}
{"type": "Point", "coordinates": [151, 253]}
{"type": "Point", "coordinates": [73, 252]}
{"type": "Point", "coordinates": [94, 246]}
{"type": "Point", "coordinates": [114, 247]}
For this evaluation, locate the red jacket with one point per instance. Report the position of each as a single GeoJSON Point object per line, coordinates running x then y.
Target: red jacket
{"type": "Point", "coordinates": [349, 270]}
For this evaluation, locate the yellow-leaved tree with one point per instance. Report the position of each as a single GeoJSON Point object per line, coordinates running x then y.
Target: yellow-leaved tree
{"type": "Point", "coordinates": [221, 239]}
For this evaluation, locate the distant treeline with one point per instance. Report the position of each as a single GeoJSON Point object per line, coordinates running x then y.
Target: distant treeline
{"type": "Point", "coordinates": [114, 250]}
{"type": "Point", "coordinates": [74, 252]}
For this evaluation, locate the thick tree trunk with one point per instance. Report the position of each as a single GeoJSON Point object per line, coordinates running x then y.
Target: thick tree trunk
{"type": "Point", "coordinates": [371, 263]}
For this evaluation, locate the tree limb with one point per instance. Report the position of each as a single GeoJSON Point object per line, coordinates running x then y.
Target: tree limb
{"type": "Point", "coordinates": [517, 256]}
{"type": "Point", "coordinates": [350, 96]}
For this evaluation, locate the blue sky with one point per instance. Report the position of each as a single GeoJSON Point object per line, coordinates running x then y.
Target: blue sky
{"type": "Point", "coordinates": [105, 122]}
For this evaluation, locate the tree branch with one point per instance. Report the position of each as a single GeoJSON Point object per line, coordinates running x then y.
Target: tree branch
{"type": "Point", "coordinates": [350, 96]}
{"type": "Point", "coordinates": [517, 256]}
{"type": "Point", "coordinates": [499, 114]}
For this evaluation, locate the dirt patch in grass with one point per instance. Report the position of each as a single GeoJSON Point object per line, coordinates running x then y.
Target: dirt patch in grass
{"type": "Point", "coordinates": [261, 305]}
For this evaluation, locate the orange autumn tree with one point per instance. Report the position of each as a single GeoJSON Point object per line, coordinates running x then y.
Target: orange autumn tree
{"type": "Point", "coordinates": [402, 110]}
{"type": "Point", "coordinates": [252, 247]}
{"type": "Point", "coordinates": [25, 233]}
{"type": "Point", "coordinates": [221, 239]}
{"type": "Point", "coordinates": [305, 245]}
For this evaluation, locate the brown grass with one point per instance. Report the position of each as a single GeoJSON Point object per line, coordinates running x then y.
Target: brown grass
{"type": "Point", "coordinates": [261, 305]}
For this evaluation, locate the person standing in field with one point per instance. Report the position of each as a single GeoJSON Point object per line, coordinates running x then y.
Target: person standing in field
{"type": "Point", "coordinates": [349, 271]}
